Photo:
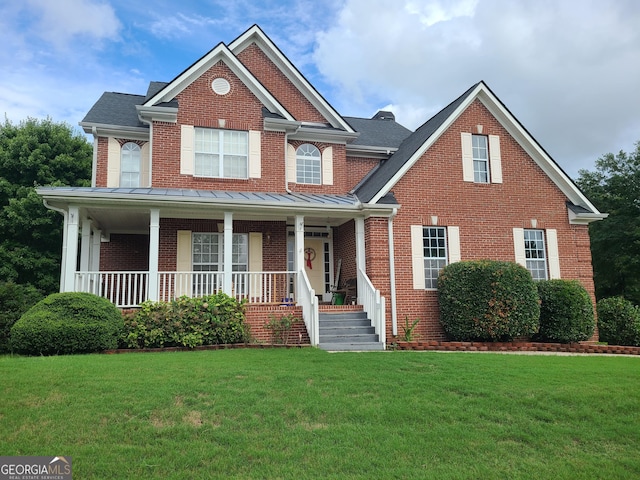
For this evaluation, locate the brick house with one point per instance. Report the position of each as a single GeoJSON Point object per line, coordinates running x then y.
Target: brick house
{"type": "Point", "coordinates": [237, 175]}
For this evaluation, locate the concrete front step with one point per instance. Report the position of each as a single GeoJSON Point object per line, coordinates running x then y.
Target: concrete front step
{"type": "Point", "coordinates": [351, 347]}
{"type": "Point", "coordinates": [346, 331]}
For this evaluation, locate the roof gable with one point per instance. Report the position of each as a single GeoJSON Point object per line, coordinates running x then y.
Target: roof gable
{"type": "Point", "coordinates": [380, 182]}
{"type": "Point", "coordinates": [219, 53]}
{"type": "Point", "coordinates": [255, 35]}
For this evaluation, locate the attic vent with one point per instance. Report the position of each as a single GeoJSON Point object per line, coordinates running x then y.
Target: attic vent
{"type": "Point", "coordinates": [220, 86]}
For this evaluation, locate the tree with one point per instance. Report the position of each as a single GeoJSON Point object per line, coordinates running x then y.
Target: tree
{"type": "Point", "coordinates": [36, 152]}
{"type": "Point", "coordinates": [615, 241]}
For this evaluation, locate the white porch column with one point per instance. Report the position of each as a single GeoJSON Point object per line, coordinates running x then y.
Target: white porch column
{"type": "Point", "coordinates": [154, 248]}
{"type": "Point", "coordinates": [63, 260]}
{"type": "Point", "coordinates": [299, 243]}
{"type": "Point", "coordinates": [361, 258]}
{"type": "Point", "coordinates": [85, 245]}
{"type": "Point", "coordinates": [227, 248]}
{"type": "Point", "coordinates": [71, 257]}
{"type": "Point", "coordinates": [94, 261]}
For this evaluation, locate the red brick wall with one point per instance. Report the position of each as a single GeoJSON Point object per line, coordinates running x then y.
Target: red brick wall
{"type": "Point", "coordinates": [485, 213]}
{"type": "Point", "coordinates": [279, 85]}
{"type": "Point", "coordinates": [125, 253]}
{"type": "Point", "coordinates": [357, 168]}
{"type": "Point", "coordinates": [344, 247]}
{"type": "Point", "coordinates": [274, 252]}
{"type": "Point", "coordinates": [258, 315]}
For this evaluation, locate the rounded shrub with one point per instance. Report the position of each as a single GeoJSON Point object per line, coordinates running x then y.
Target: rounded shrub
{"type": "Point", "coordinates": [487, 300]}
{"type": "Point", "coordinates": [65, 323]}
{"type": "Point", "coordinates": [566, 312]}
{"type": "Point", "coordinates": [15, 299]}
{"type": "Point", "coordinates": [618, 321]}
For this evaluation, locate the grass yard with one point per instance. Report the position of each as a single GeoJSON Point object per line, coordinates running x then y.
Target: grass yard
{"type": "Point", "coordinates": [305, 413]}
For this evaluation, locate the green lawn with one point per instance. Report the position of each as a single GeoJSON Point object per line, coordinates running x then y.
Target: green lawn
{"type": "Point", "coordinates": [305, 413]}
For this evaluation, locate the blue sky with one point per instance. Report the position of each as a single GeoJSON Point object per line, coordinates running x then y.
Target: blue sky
{"type": "Point", "coordinates": [569, 70]}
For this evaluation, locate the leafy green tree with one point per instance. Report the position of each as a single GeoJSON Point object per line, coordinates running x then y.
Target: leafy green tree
{"type": "Point", "coordinates": [36, 152]}
{"type": "Point", "coordinates": [615, 241]}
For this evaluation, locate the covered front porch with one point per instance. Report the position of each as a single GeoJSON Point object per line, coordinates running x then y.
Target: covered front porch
{"type": "Point", "coordinates": [135, 249]}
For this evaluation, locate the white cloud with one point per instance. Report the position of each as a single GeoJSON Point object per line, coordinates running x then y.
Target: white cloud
{"type": "Point", "coordinates": [568, 73]}
{"type": "Point", "coordinates": [60, 21]}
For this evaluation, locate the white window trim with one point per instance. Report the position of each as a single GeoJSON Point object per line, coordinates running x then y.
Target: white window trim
{"type": "Point", "coordinates": [495, 158]}
{"type": "Point", "coordinates": [453, 251]}
{"type": "Point", "coordinates": [551, 250]}
{"type": "Point", "coordinates": [138, 149]}
{"type": "Point", "coordinates": [305, 158]}
{"type": "Point", "coordinates": [221, 133]}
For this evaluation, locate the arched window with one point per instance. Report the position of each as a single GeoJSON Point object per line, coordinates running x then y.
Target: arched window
{"type": "Point", "coordinates": [130, 165]}
{"type": "Point", "coordinates": [308, 164]}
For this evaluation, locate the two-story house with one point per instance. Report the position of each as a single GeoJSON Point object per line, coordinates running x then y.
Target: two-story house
{"type": "Point", "coordinates": [238, 176]}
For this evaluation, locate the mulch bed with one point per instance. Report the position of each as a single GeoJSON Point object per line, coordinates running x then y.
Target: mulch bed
{"type": "Point", "coordinates": [517, 347]}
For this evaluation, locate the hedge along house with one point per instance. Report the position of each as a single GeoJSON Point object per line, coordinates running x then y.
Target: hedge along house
{"type": "Point", "coordinates": [238, 176]}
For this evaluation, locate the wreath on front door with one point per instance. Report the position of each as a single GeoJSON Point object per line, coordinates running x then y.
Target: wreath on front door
{"type": "Point", "coordinates": [311, 256]}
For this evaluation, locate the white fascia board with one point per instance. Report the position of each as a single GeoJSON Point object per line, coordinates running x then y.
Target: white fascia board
{"type": "Point", "coordinates": [103, 130]}
{"type": "Point", "coordinates": [280, 125]}
{"type": "Point", "coordinates": [311, 134]}
{"type": "Point", "coordinates": [158, 114]}
{"type": "Point", "coordinates": [257, 36]}
{"type": "Point", "coordinates": [221, 52]}
{"type": "Point", "coordinates": [426, 145]}
{"type": "Point", "coordinates": [367, 151]}
{"type": "Point", "coordinates": [585, 218]}
{"type": "Point", "coordinates": [534, 150]}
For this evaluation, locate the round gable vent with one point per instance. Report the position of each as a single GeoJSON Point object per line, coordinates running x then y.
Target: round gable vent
{"type": "Point", "coordinates": [221, 86]}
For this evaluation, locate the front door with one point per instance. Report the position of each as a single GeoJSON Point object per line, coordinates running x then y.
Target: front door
{"type": "Point", "coordinates": [314, 263]}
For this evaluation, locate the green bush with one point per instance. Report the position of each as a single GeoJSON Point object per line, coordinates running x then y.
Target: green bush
{"type": "Point", "coordinates": [186, 322]}
{"type": "Point", "coordinates": [618, 321]}
{"type": "Point", "coordinates": [65, 323]}
{"type": "Point", "coordinates": [566, 312]}
{"type": "Point", "coordinates": [15, 299]}
{"type": "Point", "coordinates": [487, 300]}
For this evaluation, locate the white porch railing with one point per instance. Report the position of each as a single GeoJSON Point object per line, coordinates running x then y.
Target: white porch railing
{"type": "Point", "coordinates": [129, 289]}
{"type": "Point", "coordinates": [374, 304]}
{"type": "Point", "coordinates": [124, 289]}
{"type": "Point", "coordinates": [309, 302]}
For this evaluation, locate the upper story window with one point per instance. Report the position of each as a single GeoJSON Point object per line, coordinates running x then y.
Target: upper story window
{"type": "Point", "coordinates": [221, 153]}
{"type": "Point", "coordinates": [535, 253]}
{"type": "Point", "coordinates": [130, 165]}
{"type": "Point", "coordinates": [308, 163]}
{"type": "Point", "coordinates": [480, 159]}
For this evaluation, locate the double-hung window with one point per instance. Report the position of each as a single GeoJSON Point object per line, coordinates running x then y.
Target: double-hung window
{"type": "Point", "coordinates": [434, 241]}
{"type": "Point", "coordinates": [221, 153]}
{"type": "Point", "coordinates": [308, 162]}
{"type": "Point", "coordinates": [535, 253]}
{"type": "Point", "coordinates": [130, 165]}
{"type": "Point", "coordinates": [207, 256]}
{"type": "Point", "coordinates": [480, 159]}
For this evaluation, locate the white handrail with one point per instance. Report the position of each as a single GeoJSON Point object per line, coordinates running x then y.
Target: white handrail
{"type": "Point", "coordinates": [123, 289]}
{"type": "Point", "coordinates": [374, 304]}
{"type": "Point", "coordinates": [309, 302]}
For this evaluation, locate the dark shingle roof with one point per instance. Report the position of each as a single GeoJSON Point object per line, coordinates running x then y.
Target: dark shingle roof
{"type": "Point", "coordinates": [381, 176]}
{"type": "Point", "coordinates": [116, 109]}
{"type": "Point", "coordinates": [376, 132]}
{"type": "Point", "coordinates": [154, 87]}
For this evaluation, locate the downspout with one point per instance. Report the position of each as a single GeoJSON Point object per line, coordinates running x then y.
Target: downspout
{"type": "Point", "coordinates": [392, 275]}
{"type": "Point", "coordinates": [63, 260]}
{"type": "Point", "coordinates": [150, 123]}
{"type": "Point", "coordinates": [286, 159]}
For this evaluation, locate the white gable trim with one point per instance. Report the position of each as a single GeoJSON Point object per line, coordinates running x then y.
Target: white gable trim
{"type": "Point", "coordinates": [257, 36]}
{"type": "Point", "coordinates": [513, 127]}
{"type": "Point", "coordinates": [220, 52]}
